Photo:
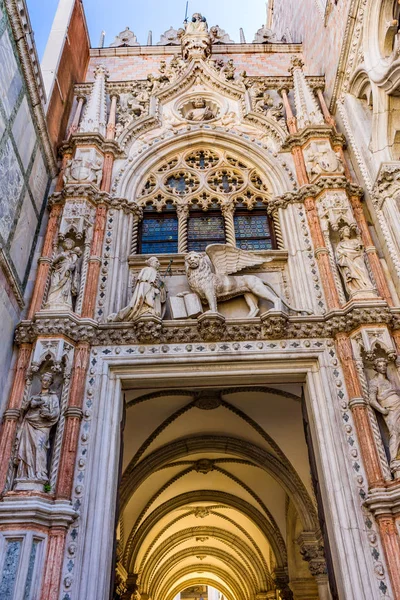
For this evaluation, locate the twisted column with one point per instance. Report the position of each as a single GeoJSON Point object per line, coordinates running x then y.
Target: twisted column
{"type": "Point", "coordinates": [137, 217]}
{"type": "Point", "coordinates": [359, 409]}
{"type": "Point", "coordinates": [73, 416]}
{"type": "Point", "coordinates": [228, 210]}
{"type": "Point", "coordinates": [277, 230]}
{"type": "Point", "coordinates": [182, 211]}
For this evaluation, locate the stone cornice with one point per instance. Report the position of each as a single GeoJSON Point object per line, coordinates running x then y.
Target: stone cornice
{"type": "Point", "coordinates": [313, 132]}
{"type": "Point", "coordinates": [314, 190]}
{"type": "Point", "coordinates": [216, 49]}
{"type": "Point", "coordinates": [91, 139]}
{"type": "Point", "coordinates": [271, 325]}
{"type": "Point", "coordinates": [384, 501]}
{"type": "Point", "coordinates": [90, 192]}
{"type": "Point", "coordinates": [28, 60]}
{"type": "Point", "coordinates": [271, 82]}
{"type": "Point", "coordinates": [36, 510]}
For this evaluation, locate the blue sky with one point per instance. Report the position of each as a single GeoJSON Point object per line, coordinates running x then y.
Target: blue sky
{"type": "Point", "coordinates": [141, 15]}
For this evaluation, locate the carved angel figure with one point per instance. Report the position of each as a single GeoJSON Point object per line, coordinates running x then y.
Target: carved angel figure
{"type": "Point", "coordinates": [385, 398]}
{"type": "Point", "coordinates": [198, 24]}
{"type": "Point", "coordinates": [41, 414]}
{"type": "Point", "coordinates": [148, 296]}
{"type": "Point", "coordinates": [65, 277]}
{"type": "Point", "coordinates": [209, 277]}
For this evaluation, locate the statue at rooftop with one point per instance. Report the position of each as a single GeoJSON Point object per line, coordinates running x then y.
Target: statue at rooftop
{"type": "Point", "coordinates": [124, 39]}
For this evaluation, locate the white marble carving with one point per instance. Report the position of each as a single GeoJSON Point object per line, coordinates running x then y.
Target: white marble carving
{"type": "Point", "coordinates": [219, 36]}
{"type": "Point", "coordinates": [322, 160]}
{"type": "Point", "coordinates": [209, 277]}
{"type": "Point", "coordinates": [125, 38]}
{"type": "Point", "coordinates": [171, 37]}
{"type": "Point", "coordinates": [42, 412]}
{"type": "Point", "coordinates": [148, 297]}
{"type": "Point", "coordinates": [385, 398]}
{"type": "Point", "coordinates": [351, 262]}
{"type": "Point", "coordinates": [65, 276]}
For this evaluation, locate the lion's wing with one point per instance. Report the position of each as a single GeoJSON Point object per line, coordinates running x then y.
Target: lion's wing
{"type": "Point", "coordinates": [227, 259]}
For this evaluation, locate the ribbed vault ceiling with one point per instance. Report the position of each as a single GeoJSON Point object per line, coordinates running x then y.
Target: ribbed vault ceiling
{"type": "Point", "coordinates": [208, 476]}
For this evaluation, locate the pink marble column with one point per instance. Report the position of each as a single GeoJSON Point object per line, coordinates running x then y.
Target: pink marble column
{"type": "Point", "coordinates": [75, 123]}
{"type": "Point", "coordinates": [329, 120]}
{"type": "Point", "coordinates": [110, 135]}
{"type": "Point", "coordinates": [12, 412]}
{"type": "Point", "coordinates": [93, 273]}
{"type": "Point", "coordinates": [53, 564]}
{"type": "Point", "coordinates": [73, 416]}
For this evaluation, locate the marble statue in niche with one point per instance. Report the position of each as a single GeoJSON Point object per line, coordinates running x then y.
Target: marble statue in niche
{"type": "Point", "coordinates": [351, 262]}
{"type": "Point", "coordinates": [385, 399]}
{"type": "Point", "coordinates": [149, 295]}
{"type": "Point", "coordinates": [210, 277]}
{"type": "Point", "coordinates": [42, 412]}
{"type": "Point", "coordinates": [200, 111]}
{"type": "Point", "coordinates": [65, 277]}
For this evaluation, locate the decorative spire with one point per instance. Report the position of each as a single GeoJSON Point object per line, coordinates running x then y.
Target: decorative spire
{"type": "Point", "coordinates": [95, 117]}
{"type": "Point", "coordinates": [307, 109]}
{"type": "Point", "coordinates": [242, 37]}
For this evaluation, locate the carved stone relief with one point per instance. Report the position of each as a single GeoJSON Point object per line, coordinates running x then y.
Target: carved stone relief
{"type": "Point", "coordinates": [132, 105]}
{"type": "Point", "coordinates": [65, 277]}
{"type": "Point", "coordinates": [149, 295]}
{"type": "Point", "coordinates": [210, 277]}
{"type": "Point", "coordinates": [125, 38]}
{"type": "Point", "coordinates": [322, 160]}
{"type": "Point", "coordinates": [196, 40]}
{"type": "Point", "coordinates": [85, 167]}
{"type": "Point", "coordinates": [36, 450]}
{"type": "Point", "coordinates": [350, 258]}
{"type": "Point", "coordinates": [219, 36]}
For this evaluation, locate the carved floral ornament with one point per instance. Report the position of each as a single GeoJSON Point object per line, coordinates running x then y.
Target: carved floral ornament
{"type": "Point", "coordinates": [203, 177]}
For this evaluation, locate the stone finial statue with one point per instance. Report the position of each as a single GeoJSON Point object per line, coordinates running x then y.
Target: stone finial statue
{"type": "Point", "coordinates": [125, 38]}
{"type": "Point", "coordinates": [210, 278]}
{"type": "Point", "coordinates": [195, 39]}
{"type": "Point", "coordinates": [219, 36]}
{"type": "Point", "coordinates": [65, 277]}
{"type": "Point", "coordinates": [42, 412]}
{"type": "Point", "coordinates": [351, 262]}
{"type": "Point", "coordinates": [385, 398]}
{"type": "Point", "coordinates": [148, 297]}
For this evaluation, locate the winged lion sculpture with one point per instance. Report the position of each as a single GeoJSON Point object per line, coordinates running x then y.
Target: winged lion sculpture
{"type": "Point", "coordinates": [210, 277]}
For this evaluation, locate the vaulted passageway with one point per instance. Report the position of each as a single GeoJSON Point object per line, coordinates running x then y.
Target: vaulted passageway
{"type": "Point", "coordinates": [216, 491]}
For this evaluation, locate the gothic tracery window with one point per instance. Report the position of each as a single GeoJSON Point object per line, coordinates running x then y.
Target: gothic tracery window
{"type": "Point", "coordinates": [201, 197]}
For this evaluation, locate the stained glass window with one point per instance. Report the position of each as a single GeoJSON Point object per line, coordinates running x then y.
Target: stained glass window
{"type": "Point", "coordinates": [253, 231]}
{"type": "Point", "coordinates": [205, 228]}
{"type": "Point", "coordinates": [159, 233]}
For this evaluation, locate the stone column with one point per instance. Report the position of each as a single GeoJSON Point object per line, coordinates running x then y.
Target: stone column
{"type": "Point", "coordinates": [359, 410]}
{"type": "Point", "coordinates": [53, 564]}
{"type": "Point", "coordinates": [112, 118]}
{"type": "Point", "coordinates": [281, 580]}
{"type": "Point", "coordinates": [370, 249]}
{"type": "Point", "coordinates": [329, 120]}
{"type": "Point", "coordinates": [228, 210]}
{"type": "Point", "coordinates": [12, 413]}
{"type": "Point", "coordinates": [321, 254]}
{"type": "Point", "coordinates": [290, 118]}
{"type": "Point", "coordinates": [94, 266]}
{"type": "Point", "coordinates": [77, 117]}
{"type": "Point", "coordinates": [45, 260]}
{"type": "Point", "coordinates": [73, 417]}
{"type": "Point", "coordinates": [391, 547]}
{"type": "Point", "coordinates": [183, 214]}
{"type": "Point", "coordinates": [107, 172]}
{"type": "Point", "coordinates": [137, 217]}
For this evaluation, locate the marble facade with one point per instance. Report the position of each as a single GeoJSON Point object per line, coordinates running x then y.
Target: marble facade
{"type": "Point", "coordinates": [206, 383]}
